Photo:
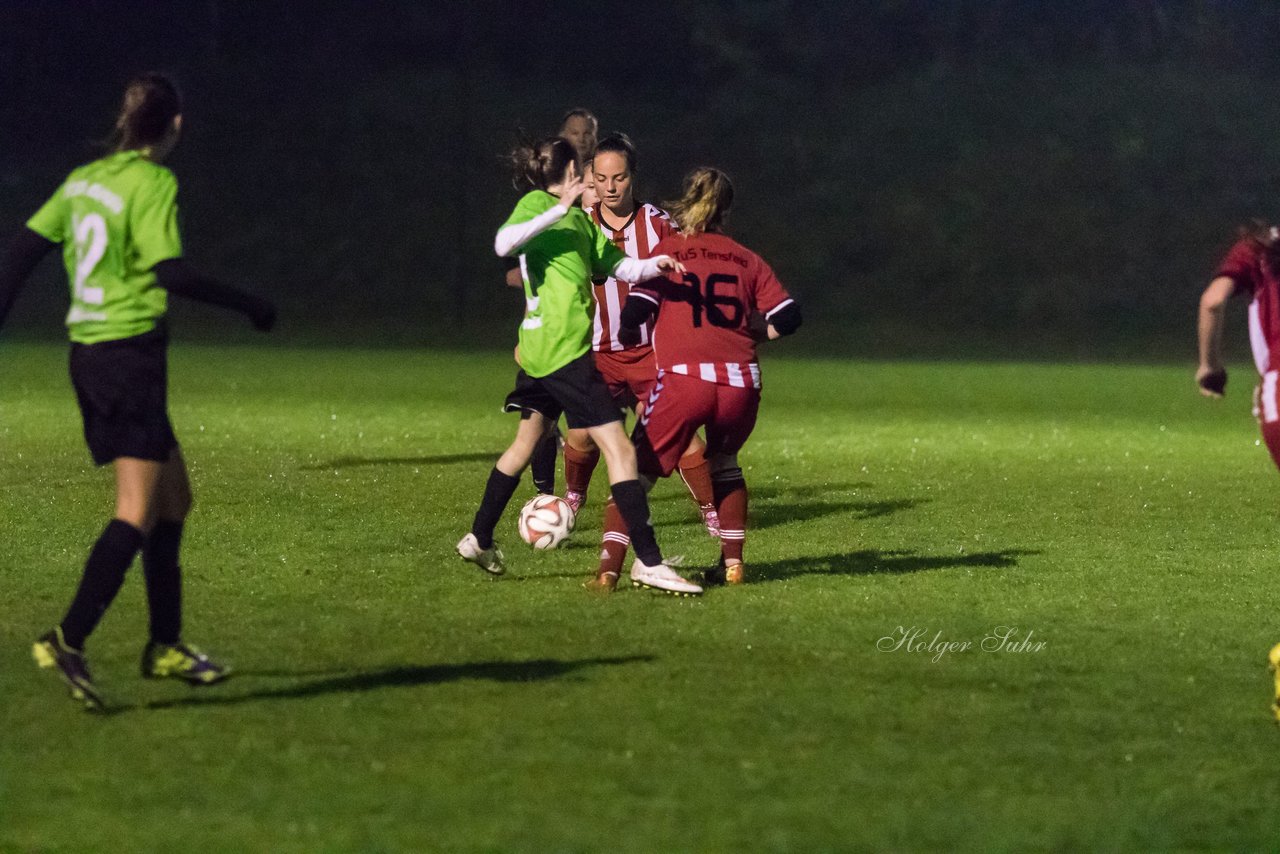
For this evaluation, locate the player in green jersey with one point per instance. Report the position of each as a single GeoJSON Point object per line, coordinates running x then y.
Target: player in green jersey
{"type": "Point", "coordinates": [116, 219]}
{"type": "Point", "coordinates": [560, 249]}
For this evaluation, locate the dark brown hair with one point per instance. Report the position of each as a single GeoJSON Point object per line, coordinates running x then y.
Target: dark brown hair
{"type": "Point", "coordinates": [151, 101]}
{"type": "Point", "coordinates": [1265, 236]}
{"type": "Point", "coordinates": [619, 143]}
{"type": "Point", "coordinates": [708, 196]}
{"type": "Point", "coordinates": [539, 165]}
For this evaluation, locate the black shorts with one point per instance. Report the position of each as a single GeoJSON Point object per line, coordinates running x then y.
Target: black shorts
{"type": "Point", "coordinates": [122, 388]}
{"type": "Point", "coordinates": [577, 390]}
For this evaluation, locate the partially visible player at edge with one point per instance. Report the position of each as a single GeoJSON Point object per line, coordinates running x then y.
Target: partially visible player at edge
{"type": "Point", "coordinates": [1251, 267]}
{"type": "Point", "coordinates": [708, 373]}
{"type": "Point", "coordinates": [629, 371]}
{"type": "Point", "coordinates": [560, 249]}
{"type": "Point", "coordinates": [117, 221]}
{"type": "Point", "coordinates": [579, 126]}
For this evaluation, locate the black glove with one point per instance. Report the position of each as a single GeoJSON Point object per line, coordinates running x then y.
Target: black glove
{"type": "Point", "coordinates": [629, 336]}
{"type": "Point", "coordinates": [1215, 381]}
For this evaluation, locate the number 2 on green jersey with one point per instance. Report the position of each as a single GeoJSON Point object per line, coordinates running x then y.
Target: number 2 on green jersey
{"type": "Point", "coordinates": [91, 244]}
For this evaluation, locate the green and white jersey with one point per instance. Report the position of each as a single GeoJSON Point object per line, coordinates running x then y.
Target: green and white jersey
{"type": "Point", "coordinates": [116, 218]}
{"type": "Point", "coordinates": [557, 266]}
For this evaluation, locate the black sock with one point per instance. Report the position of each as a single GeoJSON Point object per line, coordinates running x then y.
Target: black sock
{"type": "Point", "coordinates": [497, 492]}
{"type": "Point", "coordinates": [543, 464]}
{"type": "Point", "coordinates": [633, 504]}
{"type": "Point", "coordinates": [164, 581]}
{"type": "Point", "coordinates": [109, 560]}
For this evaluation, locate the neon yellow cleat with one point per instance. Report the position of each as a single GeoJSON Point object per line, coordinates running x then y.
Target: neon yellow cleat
{"type": "Point", "coordinates": [181, 661]}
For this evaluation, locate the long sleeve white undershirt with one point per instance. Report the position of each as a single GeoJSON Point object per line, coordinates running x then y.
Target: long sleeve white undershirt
{"type": "Point", "coordinates": [636, 270]}
{"type": "Point", "coordinates": [512, 237]}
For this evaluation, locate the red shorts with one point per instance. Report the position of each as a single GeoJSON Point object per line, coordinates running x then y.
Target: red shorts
{"type": "Point", "coordinates": [630, 374]}
{"type": "Point", "coordinates": [680, 405]}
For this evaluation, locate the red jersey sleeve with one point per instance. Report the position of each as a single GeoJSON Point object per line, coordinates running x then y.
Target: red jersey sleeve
{"type": "Point", "coordinates": [1242, 265]}
{"type": "Point", "coordinates": [767, 292]}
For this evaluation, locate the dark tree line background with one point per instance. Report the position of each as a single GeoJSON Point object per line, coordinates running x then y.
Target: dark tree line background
{"type": "Point", "coordinates": [1005, 177]}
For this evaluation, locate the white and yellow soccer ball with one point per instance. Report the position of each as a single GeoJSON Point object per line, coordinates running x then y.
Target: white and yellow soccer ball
{"type": "Point", "coordinates": [546, 521]}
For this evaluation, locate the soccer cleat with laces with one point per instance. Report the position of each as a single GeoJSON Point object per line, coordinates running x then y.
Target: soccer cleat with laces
{"type": "Point", "coordinates": [711, 519]}
{"type": "Point", "coordinates": [52, 653]}
{"type": "Point", "coordinates": [490, 559]}
{"type": "Point", "coordinates": [181, 661]}
{"type": "Point", "coordinates": [662, 577]}
{"type": "Point", "coordinates": [575, 500]}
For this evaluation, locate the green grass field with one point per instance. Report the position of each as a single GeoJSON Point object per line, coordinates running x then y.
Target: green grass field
{"type": "Point", "coordinates": [391, 698]}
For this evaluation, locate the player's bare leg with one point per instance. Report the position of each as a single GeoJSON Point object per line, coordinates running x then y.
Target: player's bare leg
{"type": "Point", "coordinates": [478, 546]}
{"type": "Point", "coordinates": [61, 648]}
{"type": "Point", "coordinates": [166, 656]}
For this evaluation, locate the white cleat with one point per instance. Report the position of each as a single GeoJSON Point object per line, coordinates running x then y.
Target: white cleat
{"type": "Point", "coordinates": [490, 560]}
{"type": "Point", "coordinates": [662, 577]}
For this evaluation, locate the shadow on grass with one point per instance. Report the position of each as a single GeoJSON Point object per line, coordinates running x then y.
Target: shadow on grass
{"type": "Point", "coordinates": [873, 562]}
{"type": "Point", "coordinates": [767, 514]}
{"type": "Point", "coordinates": [393, 677]}
{"type": "Point", "coordinates": [438, 460]}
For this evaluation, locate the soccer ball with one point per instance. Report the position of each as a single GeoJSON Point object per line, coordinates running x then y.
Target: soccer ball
{"type": "Point", "coordinates": [546, 521]}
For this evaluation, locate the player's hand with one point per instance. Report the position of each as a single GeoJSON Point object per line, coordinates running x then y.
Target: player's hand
{"type": "Point", "coordinates": [629, 336]}
{"type": "Point", "coordinates": [667, 264]}
{"type": "Point", "coordinates": [263, 315]}
{"type": "Point", "coordinates": [1212, 380]}
{"type": "Point", "coordinates": [572, 186]}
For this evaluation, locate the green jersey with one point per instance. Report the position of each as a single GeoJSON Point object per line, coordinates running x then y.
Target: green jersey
{"type": "Point", "coordinates": [116, 218]}
{"type": "Point", "coordinates": [557, 266]}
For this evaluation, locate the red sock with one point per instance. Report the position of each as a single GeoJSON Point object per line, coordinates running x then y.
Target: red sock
{"type": "Point", "coordinates": [731, 504]}
{"type": "Point", "coordinates": [613, 549]}
{"type": "Point", "coordinates": [578, 468]}
{"type": "Point", "coordinates": [697, 476]}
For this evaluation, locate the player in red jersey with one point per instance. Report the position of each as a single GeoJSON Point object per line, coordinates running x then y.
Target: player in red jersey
{"type": "Point", "coordinates": [1252, 267]}
{"type": "Point", "coordinates": [708, 374]}
{"type": "Point", "coordinates": [629, 370]}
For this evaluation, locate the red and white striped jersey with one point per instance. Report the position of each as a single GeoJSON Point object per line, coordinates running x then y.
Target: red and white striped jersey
{"type": "Point", "coordinates": [646, 228]}
{"type": "Point", "coordinates": [703, 323]}
{"type": "Point", "coordinates": [1245, 264]}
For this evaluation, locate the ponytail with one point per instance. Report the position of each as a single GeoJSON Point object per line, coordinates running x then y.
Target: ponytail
{"type": "Point", "coordinates": [708, 196]}
{"type": "Point", "coordinates": [539, 165]}
{"type": "Point", "coordinates": [151, 101]}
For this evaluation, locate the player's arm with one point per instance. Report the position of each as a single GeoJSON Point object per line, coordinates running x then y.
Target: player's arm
{"type": "Point", "coordinates": [642, 304]}
{"type": "Point", "coordinates": [1211, 376]}
{"type": "Point", "coordinates": [514, 235]}
{"type": "Point", "coordinates": [176, 277]}
{"type": "Point", "coordinates": [24, 253]}
{"type": "Point", "coordinates": [783, 319]}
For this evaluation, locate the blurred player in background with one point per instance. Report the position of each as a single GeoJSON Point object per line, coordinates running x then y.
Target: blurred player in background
{"type": "Point", "coordinates": [708, 374]}
{"type": "Point", "coordinates": [117, 221]}
{"type": "Point", "coordinates": [629, 371]}
{"type": "Point", "coordinates": [1251, 267]}
{"type": "Point", "coordinates": [580, 127]}
{"type": "Point", "coordinates": [560, 249]}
